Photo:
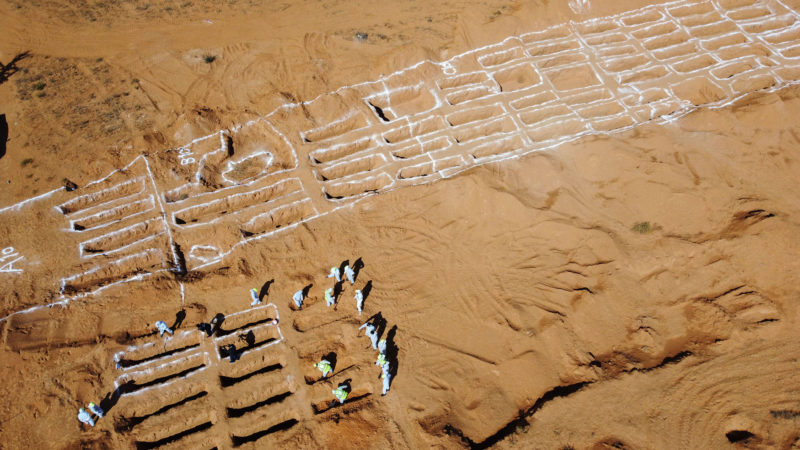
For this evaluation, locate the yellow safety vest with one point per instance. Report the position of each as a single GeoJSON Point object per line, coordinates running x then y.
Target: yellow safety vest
{"type": "Point", "coordinates": [340, 394]}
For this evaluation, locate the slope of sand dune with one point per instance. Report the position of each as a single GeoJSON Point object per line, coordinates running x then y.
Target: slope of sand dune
{"type": "Point", "coordinates": [565, 245]}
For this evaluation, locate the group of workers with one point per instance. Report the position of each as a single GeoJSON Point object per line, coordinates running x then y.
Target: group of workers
{"type": "Point", "coordinates": [330, 293]}
{"type": "Point", "coordinates": [342, 390]}
{"type": "Point", "coordinates": [371, 331]}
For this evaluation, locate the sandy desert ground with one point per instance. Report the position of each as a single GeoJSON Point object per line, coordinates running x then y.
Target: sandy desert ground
{"type": "Point", "coordinates": [574, 222]}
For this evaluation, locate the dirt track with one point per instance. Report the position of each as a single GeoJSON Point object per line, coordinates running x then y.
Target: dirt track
{"type": "Point", "coordinates": [579, 232]}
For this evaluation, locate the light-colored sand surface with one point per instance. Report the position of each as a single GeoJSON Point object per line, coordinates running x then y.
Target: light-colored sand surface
{"type": "Point", "coordinates": [577, 223]}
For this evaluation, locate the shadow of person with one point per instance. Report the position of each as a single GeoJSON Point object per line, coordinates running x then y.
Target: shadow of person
{"type": "Point", "coordinates": [391, 351]}
{"type": "Point", "coordinates": [379, 322]}
{"type": "Point", "coordinates": [307, 289]}
{"type": "Point", "coordinates": [231, 352]}
{"type": "Point", "coordinates": [249, 338]}
{"type": "Point", "coordinates": [380, 325]}
{"type": "Point", "coordinates": [6, 70]}
{"type": "Point", "coordinates": [3, 134]}
{"type": "Point", "coordinates": [344, 264]}
{"type": "Point", "coordinates": [216, 322]}
{"type": "Point", "coordinates": [265, 289]}
{"type": "Point", "coordinates": [205, 328]}
{"type": "Point", "coordinates": [179, 316]}
{"type": "Point", "coordinates": [111, 399]}
{"type": "Point", "coordinates": [124, 388]}
{"type": "Point", "coordinates": [347, 385]}
{"type": "Point", "coordinates": [331, 357]}
{"type": "Point", "coordinates": [366, 290]}
{"type": "Point", "coordinates": [337, 289]}
{"type": "Point", "coordinates": [357, 266]}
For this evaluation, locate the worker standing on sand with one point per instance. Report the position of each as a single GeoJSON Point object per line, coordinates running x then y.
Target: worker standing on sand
{"type": "Point", "coordinates": [298, 299]}
{"type": "Point", "coordinates": [85, 417]}
{"type": "Point", "coordinates": [382, 346]}
{"type": "Point", "coordinates": [386, 376]}
{"type": "Point", "coordinates": [348, 272]}
{"type": "Point", "coordinates": [372, 333]}
{"type": "Point", "coordinates": [254, 296]}
{"type": "Point", "coordinates": [359, 300]}
{"type": "Point", "coordinates": [324, 366]}
{"type": "Point", "coordinates": [335, 274]}
{"type": "Point", "coordinates": [163, 328]}
{"type": "Point", "coordinates": [329, 299]}
{"type": "Point", "coordinates": [341, 392]}
{"type": "Point", "coordinates": [96, 409]}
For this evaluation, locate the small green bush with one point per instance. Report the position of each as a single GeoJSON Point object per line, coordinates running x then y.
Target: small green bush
{"type": "Point", "coordinates": [642, 227]}
{"type": "Point", "coordinates": [39, 85]}
{"type": "Point", "coordinates": [26, 161]}
{"type": "Point", "coordinates": [209, 58]}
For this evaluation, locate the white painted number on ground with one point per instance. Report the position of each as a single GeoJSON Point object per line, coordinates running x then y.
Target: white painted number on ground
{"type": "Point", "coordinates": [8, 257]}
{"type": "Point", "coordinates": [185, 156]}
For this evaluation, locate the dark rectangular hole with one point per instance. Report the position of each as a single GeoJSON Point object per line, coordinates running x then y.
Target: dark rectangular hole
{"type": "Point", "coordinates": [132, 362]}
{"type": "Point", "coordinates": [142, 445]}
{"type": "Point", "coordinates": [283, 426]}
{"type": "Point", "coordinates": [230, 381]}
{"type": "Point", "coordinates": [133, 387]}
{"type": "Point", "coordinates": [238, 412]}
{"type": "Point", "coordinates": [223, 332]}
{"type": "Point", "coordinates": [125, 424]}
{"type": "Point", "coordinates": [336, 404]}
{"type": "Point", "coordinates": [223, 353]}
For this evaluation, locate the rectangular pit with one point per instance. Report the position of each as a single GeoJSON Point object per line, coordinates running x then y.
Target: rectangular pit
{"type": "Point", "coordinates": [724, 41]}
{"type": "Point", "coordinates": [474, 114]}
{"type": "Point", "coordinates": [624, 63]}
{"type": "Point", "coordinates": [423, 147]}
{"type": "Point", "coordinates": [328, 154]}
{"type": "Point", "coordinates": [556, 131]}
{"type": "Point", "coordinates": [456, 98]}
{"type": "Point", "coordinates": [735, 68]}
{"type": "Point", "coordinates": [112, 193]}
{"type": "Point", "coordinates": [233, 203]}
{"type": "Point", "coordinates": [468, 133]}
{"type": "Point", "coordinates": [644, 75]}
{"type": "Point", "coordinates": [655, 30]}
{"type": "Point", "coordinates": [357, 187]}
{"type": "Point", "coordinates": [600, 110]}
{"type": "Point", "coordinates": [344, 169]}
{"type": "Point", "coordinates": [464, 80]}
{"type": "Point", "coordinates": [114, 271]}
{"type": "Point", "coordinates": [497, 148]}
{"type": "Point", "coordinates": [276, 218]}
{"type": "Point", "coordinates": [501, 57]}
{"type": "Point", "coordinates": [639, 18]}
{"type": "Point", "coordinates": [679, 51]}
{"type": "Point", "coordinates": [537, 115]}
{"type": "Point", "coordinates": [696, 63]}
{"type": "Point", "coordinates": [336, 128]}
{"type": "Point", "coordinates": [532, 100]}
{"type": "Point", "coordinates": [115, 214]}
